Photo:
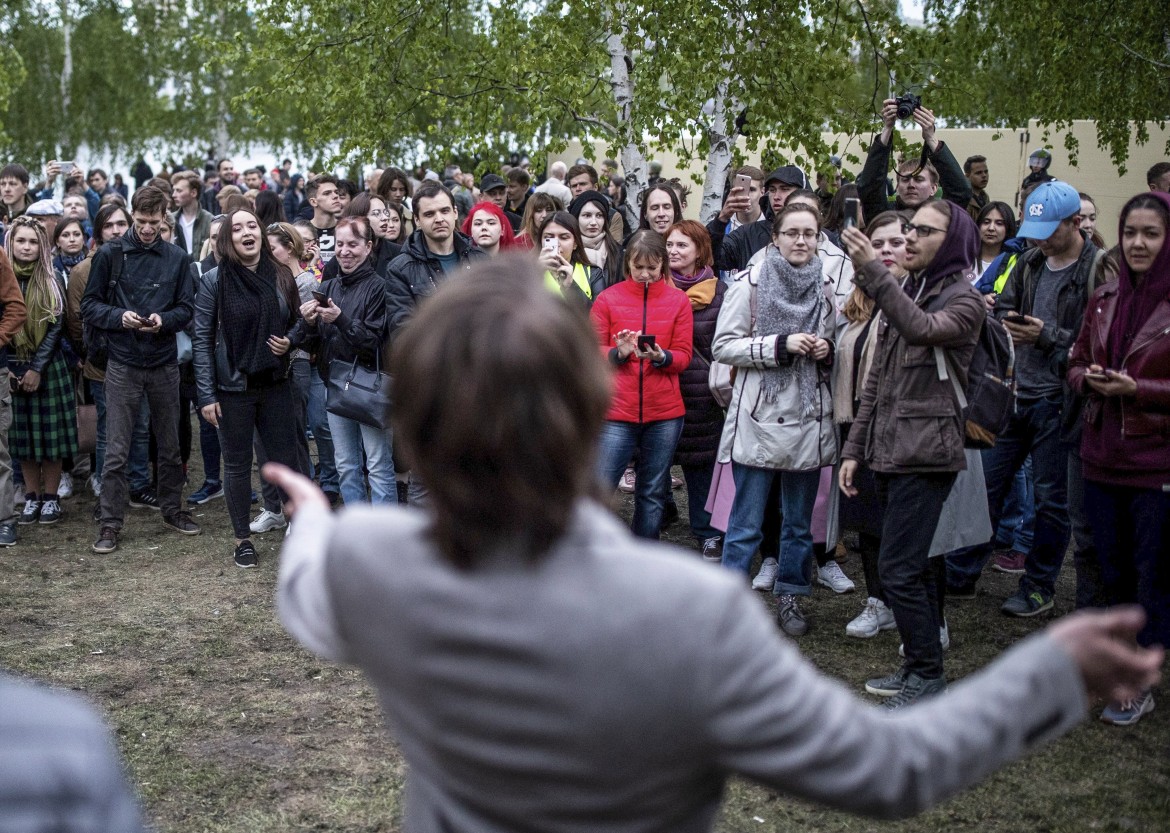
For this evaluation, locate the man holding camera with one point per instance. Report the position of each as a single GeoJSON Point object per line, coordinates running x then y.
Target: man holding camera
{"type": "Point", "coordinates": [917, 179]}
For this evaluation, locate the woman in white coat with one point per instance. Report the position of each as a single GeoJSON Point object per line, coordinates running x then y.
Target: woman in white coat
{"type": "Point", "coordinates": [776, 328]}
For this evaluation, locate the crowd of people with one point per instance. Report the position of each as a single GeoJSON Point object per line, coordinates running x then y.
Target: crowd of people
{"type": "Point", "coordinates": [803, 357]}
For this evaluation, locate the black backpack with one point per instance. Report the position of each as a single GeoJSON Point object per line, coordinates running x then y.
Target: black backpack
{"type": "Point", "coordinates": [988, 403]}
{"type": "Point", "coordinates": [95, 339]}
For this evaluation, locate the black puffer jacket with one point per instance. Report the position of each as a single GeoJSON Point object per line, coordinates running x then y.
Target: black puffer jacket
{"type": "Point", "coordinates": [417, 273]}
{"type": "Point", "coordinates": [359, 332]}
{"type": "Point", "coordinates": [703, 422]}
{"type": "Point", "coordinates": [154, 279]}
{"type": "Point", "coordinates": [214, 369]}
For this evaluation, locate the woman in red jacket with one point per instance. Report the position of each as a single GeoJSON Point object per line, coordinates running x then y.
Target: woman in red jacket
{"type": "Point", "coordinates": [644, 325]}
{"type": "Point", "coordinates": [1121, 362]}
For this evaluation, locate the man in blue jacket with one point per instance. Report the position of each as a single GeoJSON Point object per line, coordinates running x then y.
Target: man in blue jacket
{"type": "Point", "coordinates": [140, 294]}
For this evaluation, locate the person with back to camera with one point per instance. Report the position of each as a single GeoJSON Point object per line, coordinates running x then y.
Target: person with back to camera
{"type": "Point", "coordinates": [526, 648]}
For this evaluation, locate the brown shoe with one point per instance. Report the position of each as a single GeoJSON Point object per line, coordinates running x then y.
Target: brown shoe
{"type": "Point", "coordinates": [107, 541]}
{"type": "Point", "coordinates": [182, 522]}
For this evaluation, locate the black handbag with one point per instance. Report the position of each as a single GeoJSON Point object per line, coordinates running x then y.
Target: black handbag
{"type": "Point", "coordinates": [358, 393]}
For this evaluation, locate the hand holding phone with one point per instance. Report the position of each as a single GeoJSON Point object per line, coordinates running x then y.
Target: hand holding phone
{"type": "Point", "coordinates": [1016, 318]}
{"type": "Point", "coordinates": [744, 183]}
{"type": "Point", "coordinates": [320, 297]}
{"type": "Point", "coordinates": [1097, 377]}
{"type": "Point", "coordinates": [645, 343]}
{"type": "Point", "coordinates": [67, 168]}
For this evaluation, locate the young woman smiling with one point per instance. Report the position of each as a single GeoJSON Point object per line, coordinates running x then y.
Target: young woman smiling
{"type": "Point", "coordinates": [244, 311]}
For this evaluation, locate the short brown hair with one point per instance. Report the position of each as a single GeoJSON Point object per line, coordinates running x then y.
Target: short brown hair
{"type": "Point", "coordinates": [316, 182]}
{"type": "Point", "coordinates": [519, 175]}
{"type": "Point", "coordinates": [506, 445]}
{"type": "Point", "coordinates": [191, 178]}
{"type": "Point", "coordinates": [577, 170]}
{"type": "Point", "coordinates": [698, 235]}
{"type": "Point", "coordinates": [914, 166]}
{"type": "Point", "coordinates": [747, 170]}
{"type": "Point", "coordinates": [149, 200]}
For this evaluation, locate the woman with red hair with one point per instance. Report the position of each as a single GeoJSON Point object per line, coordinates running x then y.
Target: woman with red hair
{"type": "Point", "coordinates": [488, 228]}
{"type": "Point", "coordinates": [688, 248]}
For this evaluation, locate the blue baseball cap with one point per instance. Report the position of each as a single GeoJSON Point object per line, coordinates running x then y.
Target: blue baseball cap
{"type": "Point", "coordinates": [1049, 205]}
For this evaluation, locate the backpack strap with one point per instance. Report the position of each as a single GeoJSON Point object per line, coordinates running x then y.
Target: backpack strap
{"type": "Point", "coordinates": [942, 360]}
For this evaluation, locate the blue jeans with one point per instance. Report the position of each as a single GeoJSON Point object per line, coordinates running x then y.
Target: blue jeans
{"type": "Point", "coordinates": [798, 493]}
{"type": "Point", "coordinates": [698, 480]}
{"type": "Point", "coordinates": [1035, 430]}
{"type": "Point", "coordinates": [350, 439]}
{"type": "Point", "coordinates": [326, 468]}
{"type": "Point", "coordinates": [1017, 526]}
{"type": "Point", "coordinates": [654, 443]}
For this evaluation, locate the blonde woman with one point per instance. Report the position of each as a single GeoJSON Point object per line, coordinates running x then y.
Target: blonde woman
{"type": "Point", "coordinates": [44, 426]}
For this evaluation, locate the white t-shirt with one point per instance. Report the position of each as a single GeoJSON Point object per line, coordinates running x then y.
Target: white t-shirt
{"type": "Point", "coordinates": [188, 227]}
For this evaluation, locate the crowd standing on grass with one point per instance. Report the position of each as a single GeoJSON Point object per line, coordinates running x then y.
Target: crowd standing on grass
{"type": "Point", "coordinates": [804, 356]}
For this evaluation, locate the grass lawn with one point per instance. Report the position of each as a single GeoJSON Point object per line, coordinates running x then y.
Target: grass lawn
{"type": "Point", "coordinates": [226, 724]}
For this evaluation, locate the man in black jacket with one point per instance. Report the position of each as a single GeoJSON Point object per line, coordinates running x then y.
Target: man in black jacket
{"type": "Point", "coordinates": [140, 294]}
{"type": "Point", "coordinates": [918, 179]}
{"type": "Point", "coordinates": [733, 252]}
{"type": "Point", "coordinates": [432, 252]}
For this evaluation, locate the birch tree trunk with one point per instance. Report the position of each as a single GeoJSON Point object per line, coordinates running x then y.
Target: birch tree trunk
{"type": "Point", "coordinates": [621, 63]}
{"type": "Point", "coordinates": [720, 144]}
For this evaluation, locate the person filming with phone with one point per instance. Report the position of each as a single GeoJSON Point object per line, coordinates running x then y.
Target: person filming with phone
{"type": "Point", "coordinates": [908, 429]}
{"type": "Point", "coordinates": [646, 329]}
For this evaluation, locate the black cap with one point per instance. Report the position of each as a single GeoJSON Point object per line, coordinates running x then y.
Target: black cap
{"type": "Point", "coordinates": [789, 175]}
{"type": "Point", "coordinates": [491, 182]}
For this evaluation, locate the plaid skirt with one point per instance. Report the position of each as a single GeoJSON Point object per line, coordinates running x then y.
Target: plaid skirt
{"type": "Point", "coordinates": [44, 423]}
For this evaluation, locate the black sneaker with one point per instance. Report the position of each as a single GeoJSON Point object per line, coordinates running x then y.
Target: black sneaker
{"type": "Point", "coordinates": [144, 499]}
{"type": "Point", "coordinates": [50, 512]}
{"type": "Point", "coordinates": [246, 555]}
{"type": "Point", "coordinates": [1025, 604]}
{"type": "Point", "coordinates": [182, 522]}
{"type": "Point", "coordinates": [888, 686]}
{"type": "Point", "coordinates": [916, 688]}
{"type": "Point", "coordinates": [7, 535]}
{"type": "Point", "coordinates": [31, 510]}
{"type": "Point", "coordinates": [107, 541]}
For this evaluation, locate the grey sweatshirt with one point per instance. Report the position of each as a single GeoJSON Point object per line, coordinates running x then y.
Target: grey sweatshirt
{"type": "Point", "coordinates": [615, 684]}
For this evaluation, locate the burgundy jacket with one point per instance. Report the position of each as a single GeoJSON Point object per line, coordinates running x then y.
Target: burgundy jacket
{"type": "Point", "coordinates": [1125, 440]}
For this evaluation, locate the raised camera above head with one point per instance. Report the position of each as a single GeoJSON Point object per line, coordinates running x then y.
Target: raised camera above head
{"type": "Point", "coordinates": [907, 104]}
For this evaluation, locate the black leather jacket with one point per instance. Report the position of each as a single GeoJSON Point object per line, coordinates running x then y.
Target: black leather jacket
{"type": "Point", "coordinates": [214, 370]}
{"type": "Point", "coordinates": [50, 345]}
{"type": "Point", "coordinates": [359, 331]}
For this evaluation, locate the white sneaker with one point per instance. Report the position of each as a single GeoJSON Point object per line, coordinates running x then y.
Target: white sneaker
{"type": "Point", "coordinates": [267, 521]}
{"type": "Point", "coordinates": [832, 577]}
{"type": "Point", "coordinates": [944, 637]}
{"type": "Point", "coordinates": [766, 578]}
{"type": "Point", "coordinates": [65, 488]}
{"type": "Point", "coordinates": [626, 484]}
{"type": "Point", "coordinates": [95, 485]}
{"type": "Point", "coordinates": [874, 618]}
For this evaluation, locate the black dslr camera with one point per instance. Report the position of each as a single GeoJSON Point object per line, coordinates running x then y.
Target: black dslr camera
{"type": "Point", "coordinates": [907, 104]}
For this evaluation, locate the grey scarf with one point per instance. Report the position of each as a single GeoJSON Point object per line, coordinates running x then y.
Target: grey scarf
{"type": "Point", "coordinates": [789, 302]}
